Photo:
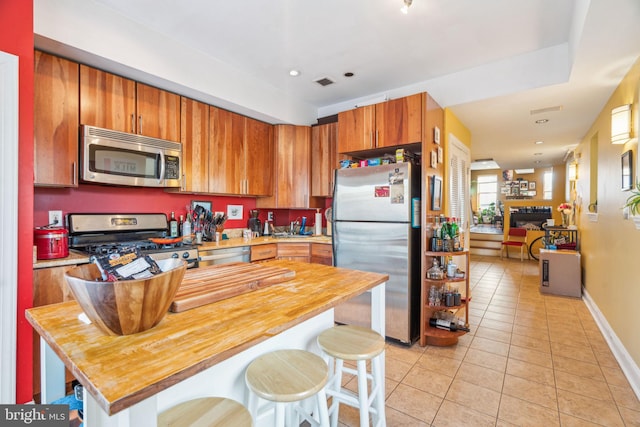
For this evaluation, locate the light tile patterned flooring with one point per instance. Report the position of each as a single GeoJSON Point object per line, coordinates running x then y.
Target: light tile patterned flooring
{"type": "Point", "coordinates": [530, 360]}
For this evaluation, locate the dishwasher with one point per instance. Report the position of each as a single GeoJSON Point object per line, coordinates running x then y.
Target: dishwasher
{"type": "Point", "coordinates": [224, 256]}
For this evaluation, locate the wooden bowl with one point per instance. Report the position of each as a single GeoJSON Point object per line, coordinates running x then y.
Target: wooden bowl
{"type": "Point", "coordinates": [126, 306]}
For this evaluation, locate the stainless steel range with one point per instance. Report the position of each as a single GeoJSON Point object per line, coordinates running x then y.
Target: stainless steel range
{"type": "Point", "coordinates": [99, 234]}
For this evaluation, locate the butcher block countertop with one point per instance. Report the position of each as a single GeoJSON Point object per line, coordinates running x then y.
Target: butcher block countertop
{"type": "Point", "coordinates": [120, 371]}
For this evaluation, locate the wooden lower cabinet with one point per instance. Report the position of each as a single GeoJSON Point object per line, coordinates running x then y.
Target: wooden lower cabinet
{"type": "Point", "coordinates": [49, 287]}
{"type": "Point", "coordinates": [321, 253]}
{"type": "Point", "coordinates": [264, 252]}
{"type": "Point", "coordinates": [294, 251]}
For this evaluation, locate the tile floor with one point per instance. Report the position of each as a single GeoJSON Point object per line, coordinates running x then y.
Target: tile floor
{"type": "Point", "coordinates": [530, 360]}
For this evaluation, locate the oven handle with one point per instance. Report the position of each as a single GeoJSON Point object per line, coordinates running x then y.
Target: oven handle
{"type": "Point", "coordinates": [224, 256]}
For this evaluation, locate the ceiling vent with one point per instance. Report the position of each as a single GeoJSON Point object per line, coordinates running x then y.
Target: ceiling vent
{"type": "Point", "coordinates": [546, 110]}
{"type": "Point", "coordinates": [325, 81]}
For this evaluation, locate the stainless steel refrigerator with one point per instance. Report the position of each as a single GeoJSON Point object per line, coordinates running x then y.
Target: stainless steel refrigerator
{"type": "Point", "coordinates": [376, 213]}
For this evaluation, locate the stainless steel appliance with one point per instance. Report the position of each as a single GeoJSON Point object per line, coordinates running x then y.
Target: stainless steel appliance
{"type": "Point", "coordinates": [98, 234]}
{"type": "Point", "coordinates": [376, 228]}
{"type": "Point", "coordinates": [224, 256]}
{"type": "Point", "coordinates": [560, 273]}
{"type": "Point", "coordinates": [119, 158]}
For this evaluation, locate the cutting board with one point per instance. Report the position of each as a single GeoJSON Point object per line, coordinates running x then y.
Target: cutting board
{"type": "Point", "coordinates": [217, 282]}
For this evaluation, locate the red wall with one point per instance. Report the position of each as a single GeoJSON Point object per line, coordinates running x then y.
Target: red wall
{"type": "Point", "coordinates": [16, 37]}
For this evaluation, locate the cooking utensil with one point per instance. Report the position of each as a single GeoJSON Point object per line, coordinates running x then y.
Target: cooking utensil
{"type": "Point", "coordinates": [51, 242]}
{"type": "Point", "coordinates": [165, 240]}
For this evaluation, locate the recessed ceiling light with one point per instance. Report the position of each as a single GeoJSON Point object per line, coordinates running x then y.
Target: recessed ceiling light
{"type": "Point", "coordinates": [537, 162]}
{"type": "Point", "coordinates": [537, 154]}
{"type": "Point", "coordinates": [348, 74]}
{"type": "Point", "coordinates": [539, 142]}
{"type": "Point", "coordinates": [541, 121]}
{"type": "Point", "coordinates": [294, 73]}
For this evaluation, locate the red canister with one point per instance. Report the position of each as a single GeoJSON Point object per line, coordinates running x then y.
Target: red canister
{"type": "Point", "coordinates": [51, 242]}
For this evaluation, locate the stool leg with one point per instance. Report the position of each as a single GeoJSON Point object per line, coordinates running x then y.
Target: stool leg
{"type": "Point", "coordinates": [376, 370]}
{"type": "Point", "coordinates": [335, 384]}
{"type": "Point", "coordinates": [253, 405]}
{"type": "Point", "coordinates": [323, 412]}
{"type": "Point", "coordinates": [363, 393]}
{"type": "Point", "coordinates": [279, 414]}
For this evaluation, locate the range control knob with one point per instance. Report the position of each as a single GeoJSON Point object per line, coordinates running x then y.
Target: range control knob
{"type": "Point", "coordinates": [185, 255]}
{"type": "Point", "coordinates": [175, 255]}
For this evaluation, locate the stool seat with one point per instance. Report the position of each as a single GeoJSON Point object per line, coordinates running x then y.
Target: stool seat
{"type": "Point", "coordinates": [351, 342]}
{"type": "Point", "coordinates": [286, 379]}
{"type": "Point", "coordinates": [287, 375]}
{"type": "Point", "coordinates": [206, 412]}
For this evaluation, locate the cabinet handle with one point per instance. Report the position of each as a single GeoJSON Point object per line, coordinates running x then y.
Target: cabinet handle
{"type": "Point", "coordinates": [370, 139]}
{"type": "Point", "coordinates": [140, 124]}
{"type": "Point", "coordinates": [184, 182]}
{"type": "Point", "coordinates": [246, 186]}
{"type": "Point", "coordinates": [74, 173]}
{"type": "Point", "coordinates": [376, 144]}
{"type": "Point", "coordinates": [133, 123]}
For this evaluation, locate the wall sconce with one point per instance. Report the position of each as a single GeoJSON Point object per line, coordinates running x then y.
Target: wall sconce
{"type": "Point", "coordinates": [573, 172]}
{"type": "Point", "coordinates": [405, 9]}
{"type": "Point", "coordinates": [621, 124]}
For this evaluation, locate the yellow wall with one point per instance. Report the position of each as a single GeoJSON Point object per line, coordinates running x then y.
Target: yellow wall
{"type": "Point", "coordinates": [610, 247]}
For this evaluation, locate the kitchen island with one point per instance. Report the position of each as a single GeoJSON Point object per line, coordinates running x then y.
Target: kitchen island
{"type": "Point", "coordinates": [199, 352]}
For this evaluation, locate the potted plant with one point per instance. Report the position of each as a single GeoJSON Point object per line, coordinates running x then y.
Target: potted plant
{"type": "Point", "coordinates": [488, 214]}
{"type": "Point", "coordinates": [633, 201]}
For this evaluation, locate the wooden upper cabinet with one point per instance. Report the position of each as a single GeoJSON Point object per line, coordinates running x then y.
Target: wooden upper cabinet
{"type": "Point", "coordinates": [356, 130]}
{"type": "Point", "coordinates": [158, 112]}
{"type": "Point", "coordinates": [116, 103]}
{"type": "Point", "coordinates": [227, 153]}
{"type": "Point", "coordinates": [106, 100]}
{"type": "Point", "coordinates": [258, 137]}
{"type": "Point", "coordinates": [324, 159]}
{"type": "Point", "coordinates": [55, 121]}
{"type": "Point", "coordinates": [292, 170]}
{"type": "Point", "coordinates": [387, 124]}
{"type": "Point", "coordinates": [399, 121]}
{"type": "Point", "coordinates": [194, 136]}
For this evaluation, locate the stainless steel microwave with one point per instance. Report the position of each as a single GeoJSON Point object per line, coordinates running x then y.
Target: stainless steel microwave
{"type": "Point", "coordinates": [119, 158]}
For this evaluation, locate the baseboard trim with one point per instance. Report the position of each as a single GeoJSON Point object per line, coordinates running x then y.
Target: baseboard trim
{"type": "Point", "coordinates": [627, 364]}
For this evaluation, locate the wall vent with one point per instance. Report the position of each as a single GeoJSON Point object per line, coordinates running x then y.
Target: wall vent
{"type": "Point", "coordinates": [546, 110]}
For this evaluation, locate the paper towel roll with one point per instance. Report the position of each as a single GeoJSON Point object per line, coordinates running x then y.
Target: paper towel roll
{"type": "Point", "coordinates": [318, 225]}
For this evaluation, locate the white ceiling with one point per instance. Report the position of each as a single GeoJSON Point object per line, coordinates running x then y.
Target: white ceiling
{"type": "Point", "coordinates": [490, 61]}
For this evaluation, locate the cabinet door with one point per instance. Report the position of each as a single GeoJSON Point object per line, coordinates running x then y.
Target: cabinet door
{"type": "Point", "coordinates": [294, 252]}
{"type": "Point", "coordinates": [399, 121]}
{"type": "Point", "coordinates": [194, 136]}
{"type": "Point", "coordinates": [56, 121]}
{"type": "Point", "coordinates": [356, 129]}
{"type": "Point", "coordinates": [258, 139]}
{"type": "Point", "coordinates": [324, 159]}
{"type": "Point", "coordinates": [158, 113]}
{"type": "Point", "coordinates": [107, 101]}
{"type": "Point", "coordinates": [227, 153]}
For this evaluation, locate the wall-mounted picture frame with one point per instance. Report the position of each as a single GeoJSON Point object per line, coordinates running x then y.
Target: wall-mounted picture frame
{"type": "Point", "coordinates": [234, 211]}
{"type": "Point", "coordinates": [532, 185]}
{"type": "Point", "coordinates": [434, 159]}
{"type": "Point", "coordinates": [436, 193]}
{"type": "Point", "coordinates": [205, 205]}
{"type": "Point", "coordinates": [505, 190]}
{"type": "Point", "coordinates": [524, 185]}
{"type": "Point", "coordinates": [436, 135]}
{"type": "Point", "coordinates": [440, 155]}
{"type": "Point", "coordinates": [627, 170]}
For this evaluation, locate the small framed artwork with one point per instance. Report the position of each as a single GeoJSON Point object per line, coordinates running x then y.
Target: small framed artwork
{"type": "Point", "coordinates": [627, 171]}
{"type": "Point", "coordinates": [205, 205]}
{"type": "Point", "coordinates": [532, 185]}
{"type": "Point", "coordinates": [524, 185]}
{"type": "Point", "coordinates": [436, 193]}
{"type": "Point", "coordinates": [434, 159]}
{"type": "Point", "coordinates": [532, 193]}
{"type": "Point", "coordinates": [440, 155]}
{"type": "Point", "coordinates": [436, 135]}
{"type": "Point", "coordinates": [234, 211]}
{"type": "Point", "coordinates": [505, 190]}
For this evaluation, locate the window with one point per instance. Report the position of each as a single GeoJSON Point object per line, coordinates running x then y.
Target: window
{"type": "Point", "coordinates": [487, 190]}
{"type": "Point", "coordinates": [547, 185]}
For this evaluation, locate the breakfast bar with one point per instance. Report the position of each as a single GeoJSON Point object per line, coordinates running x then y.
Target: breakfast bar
{"type": "Point", "coordinates": [195, 353]}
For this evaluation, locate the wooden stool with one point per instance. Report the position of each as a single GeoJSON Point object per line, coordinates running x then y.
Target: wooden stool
{"type": "Point", "coordinates": [285, 378]}
{"type": "Point", "coordinates": [348, 342]}
{"type": "Point", "coordinates": [206, 412]}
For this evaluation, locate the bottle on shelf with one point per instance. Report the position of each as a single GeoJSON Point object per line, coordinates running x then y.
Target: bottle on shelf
{"type": "Point", "coordinates": [173, 225]}
{"type": "Point", "coordinates": [447, 325]}
{"type": "Point", "coordinates": [180, 225]}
